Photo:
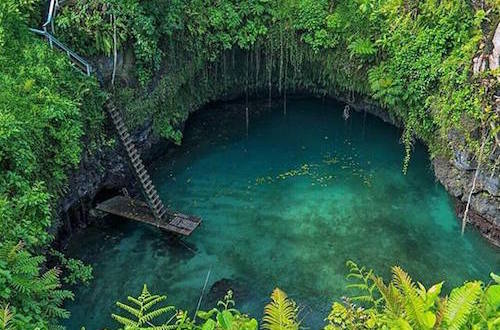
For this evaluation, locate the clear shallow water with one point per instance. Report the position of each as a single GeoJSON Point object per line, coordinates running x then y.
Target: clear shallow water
{"type": "Point", "coordinates": [286, 206]}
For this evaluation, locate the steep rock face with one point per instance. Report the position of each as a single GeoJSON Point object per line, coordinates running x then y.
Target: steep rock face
{"type": "Point", "coordinates": [457, 175]}
{"type": "Point", "coordinates": [100, 174]}
{"type": "Point", "coordinates": [495, 53]}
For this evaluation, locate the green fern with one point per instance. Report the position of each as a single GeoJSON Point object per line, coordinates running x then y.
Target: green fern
{"type": "Point", "coordinates": [280, 313]}
{"type": "Point", "coordinates": [363, 282]}
{"type": "Point", "coordinates": [362, 47]}
{"type": "Point", "coordinates": [415, 307]}
{"type": "Point", "coordinates": [143, 312]}
{"type": "Point", "coordinates": [6, 317]}
{"type": "Point", "coordinates": [392, 297]}
{"type": "Point", "coordinates": [30, 293]}
{"type": "Point", "coordinates": [461, 304]}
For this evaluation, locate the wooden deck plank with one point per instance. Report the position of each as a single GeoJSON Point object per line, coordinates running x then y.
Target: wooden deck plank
{"type": "Point", "coordinates": [139, 211]}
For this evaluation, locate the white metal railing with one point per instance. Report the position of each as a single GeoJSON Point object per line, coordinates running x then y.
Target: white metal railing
{"type": "Point", "coordinates": [80, 62]}
{"type": "Point", "coordinates": [76, 59]}
{"type": "Point", "coordinates": [50, 14]}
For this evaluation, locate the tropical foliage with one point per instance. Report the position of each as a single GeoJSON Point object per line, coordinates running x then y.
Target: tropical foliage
{"type": "Point", "coordinates": [400, 304]}
{"type": "Point", "coordinates": [414, 58]}
{"type": "Point", "coordinates": [46, 107]}
{"type": "Point", "coordinates": [404, 304]}
{"type": "Point", "coordinates": [29, 299]}
{"type": "Point", "coordinates": [281, 313]}
{"type": "Point", "coordinates": [146, 316]}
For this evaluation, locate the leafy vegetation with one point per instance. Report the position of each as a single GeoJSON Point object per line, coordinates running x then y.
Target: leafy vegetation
{"type": "Point", "coordinates": [145, 316]}
{"type": "Point", "coordinates": [34, 299]}
{"type": "Point", "coordinates": [281, 313]}
{"type": "Point", "coordinates": [45, 110]}
{"type": "Point", "coordinates": [413, 57]}
{"type": "Point", "coordinates": [404, 304]}
{"type": "Point", "coordinates": [400, 304]}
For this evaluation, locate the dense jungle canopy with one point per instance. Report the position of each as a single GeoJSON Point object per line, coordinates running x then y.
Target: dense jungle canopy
{"type": "Point", "coordinates": [413, 58]}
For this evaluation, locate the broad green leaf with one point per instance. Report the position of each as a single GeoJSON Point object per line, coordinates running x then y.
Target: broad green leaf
{"type": "Point", "coordinates": [225, 320]}
{"type": "Point", "coordinates": [209, 325]}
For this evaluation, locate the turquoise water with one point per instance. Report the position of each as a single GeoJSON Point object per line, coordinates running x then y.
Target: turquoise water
{"type": "Point", "coordinates": [285, 206]}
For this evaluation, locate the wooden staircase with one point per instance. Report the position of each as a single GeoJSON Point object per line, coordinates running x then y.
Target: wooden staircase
{"type": "Point", "coordinates": [157, 214]}
{"type": "Point", "coordinates": [148, 187]}
{"type": "Point", "coordinates": [174, 222]}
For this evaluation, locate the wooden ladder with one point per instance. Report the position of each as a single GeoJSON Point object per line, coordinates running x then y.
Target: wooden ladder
{"type": "Point", "coordinates": [152, 197]}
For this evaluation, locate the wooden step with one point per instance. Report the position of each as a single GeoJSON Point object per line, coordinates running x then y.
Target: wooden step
{"type": "Point", "coordinates": [157, 204]}
{"type": "Point", "coordinates": [139, 167]}
{"type": "Point", "coordinates": [154, 198]}
{"type": "Point", "coordinates": [130, 148]}
{"type": "Point", "coordinates": [133, 156]}
{"type": "Point", "coordinates": [162, 213]}
{"type": "Point", "coordinates": [147, 184]}
{"type": "Point", "coordinates": [126, 141]}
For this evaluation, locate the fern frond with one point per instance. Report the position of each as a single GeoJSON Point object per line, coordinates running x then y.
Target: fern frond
{"type": "Point", "coordinates": [134, 300]}
{"type": "Point", "coordinates": [414, 304]}
{"type": "Point", "coordinates": [391, 296]}
{"type": "Point", "coordinates": [362, 47]}
{"type": "Point", "coordinates": [136, 312]}
{"type": "Point", "coordinates": [154, 314]}
{"type": "Point", "coordinates": [363, 282]}
{"type": "Point", "coordinates": [6, 317]}
{"type": "Point", "coordinates": [156, 299]}
{"type": "Point", "coordinates": [280, 313]}
{"type": "Point", "coordinates": [461, 304]}
{"type": "Point", "coordinates": [124, 321]}
{"type": "Point", "coordinates": [142, 318]}
{"type": "Point", "coordinates": [359, 286]}
{"type": "Point", "coordinates": [57, 312]}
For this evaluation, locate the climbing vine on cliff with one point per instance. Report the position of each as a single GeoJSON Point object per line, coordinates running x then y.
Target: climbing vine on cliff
{"type": "Point", "coordinates": [414, 58]}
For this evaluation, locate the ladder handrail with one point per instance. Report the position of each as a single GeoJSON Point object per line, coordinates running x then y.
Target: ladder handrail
{"type": "Point", "coordinates": [53, 40]}
{"type": "Point", "coordinates": [53, 5]}
{"type": "Point", "coordinates": [50, 14]}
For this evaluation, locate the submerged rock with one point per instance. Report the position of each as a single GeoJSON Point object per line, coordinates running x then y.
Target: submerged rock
{"type": "Point", "coordinates": [219, 289]}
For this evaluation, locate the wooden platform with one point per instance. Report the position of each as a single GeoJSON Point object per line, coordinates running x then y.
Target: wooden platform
{"type": "Point", "coordinates": [139, 211]}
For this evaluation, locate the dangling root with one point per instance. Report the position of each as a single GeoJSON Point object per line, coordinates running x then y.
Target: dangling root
{"type": "Point", "coordinates": [464, 220]}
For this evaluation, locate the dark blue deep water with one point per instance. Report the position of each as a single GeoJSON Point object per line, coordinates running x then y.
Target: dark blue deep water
{"type": "Point", "coordinates": [285, 206]}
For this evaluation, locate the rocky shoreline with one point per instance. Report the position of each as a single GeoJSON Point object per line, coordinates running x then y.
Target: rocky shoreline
{"type": "Point", "coordinates": [106, 173]}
